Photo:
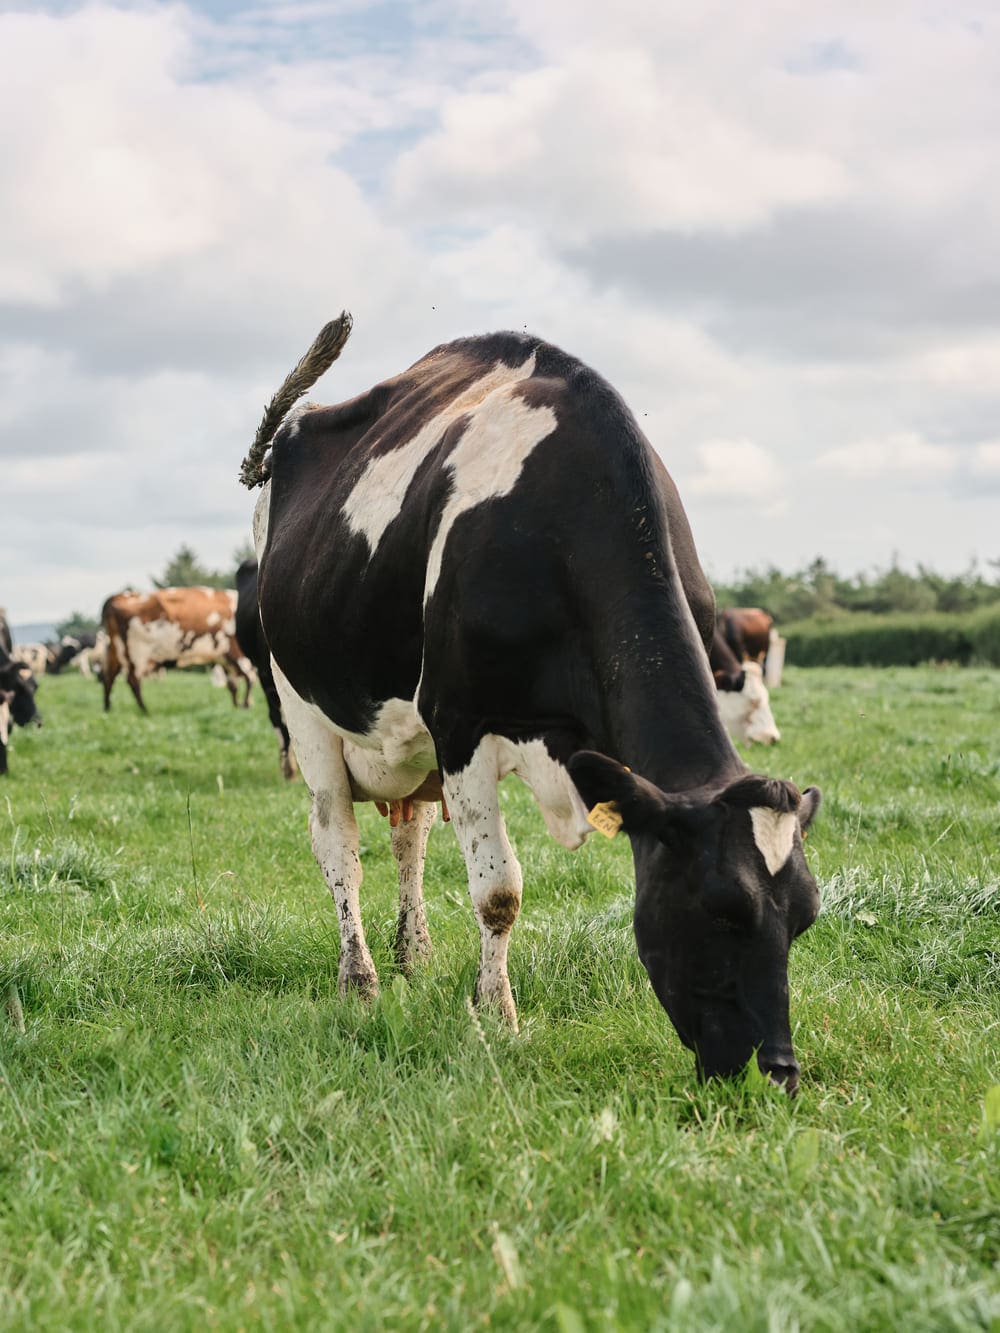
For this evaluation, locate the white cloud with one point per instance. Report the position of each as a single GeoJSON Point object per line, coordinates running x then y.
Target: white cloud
{"type": "Point", "coordinates": [904, 455]}
{"type": "Point", "coordinates": [604, 141]}
{"type": "Point", "coordinates": [739, 471]}
{"type": "Point", "coordinates": [986, 459]}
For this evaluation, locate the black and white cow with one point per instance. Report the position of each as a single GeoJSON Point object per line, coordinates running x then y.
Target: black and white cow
{"type": "Point", "coordinates": [67, 651]}
{"type": "Point", "coordinates": [35, 656]}
{"type": "Point", "coordinates": [17, 699]}
{"type": "Point", "coordinates": [250, 636]}
{"type": "Point", "coordinates": [478, 567]}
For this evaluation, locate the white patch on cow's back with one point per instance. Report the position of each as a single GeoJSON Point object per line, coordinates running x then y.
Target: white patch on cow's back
{"type": "Point", "coordinates": [212, 619]}
{"type": "Point", "coordinates": [487, 461]}
{"type": "Point", "coordinates": [378, 496]}
{"type": "Point", "coordinates": [774, 834]}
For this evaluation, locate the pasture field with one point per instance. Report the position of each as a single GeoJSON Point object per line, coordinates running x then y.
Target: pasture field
{"type": "Point", "coordinates": [197, 1132]}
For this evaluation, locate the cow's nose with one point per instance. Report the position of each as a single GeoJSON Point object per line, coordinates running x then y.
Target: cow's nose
{"type": "Point", "coordinates": [783, 1072]}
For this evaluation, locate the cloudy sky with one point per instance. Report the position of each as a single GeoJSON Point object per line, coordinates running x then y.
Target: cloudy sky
{"type": "Point", "coordinates": [775, 228]}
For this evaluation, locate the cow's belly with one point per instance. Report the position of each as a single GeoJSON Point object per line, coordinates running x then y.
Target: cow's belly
{"type": "Point", "coordinates": [392, 759]}
{"type": "Point", "coordinates": [151, 642]}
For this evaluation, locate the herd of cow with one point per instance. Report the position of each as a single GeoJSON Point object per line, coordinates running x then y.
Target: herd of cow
{"type": "Point", "coordinates": [478, 567]}
{"type": "Point", "coordinates": [145, 633]}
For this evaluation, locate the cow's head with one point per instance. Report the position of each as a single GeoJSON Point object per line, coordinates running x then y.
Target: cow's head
{"type": "Point", "coordinates": [747, 712]}
{"type": "Point", "coordinates": [722, 889]}
{"type": "Point", "coordinates": [18, 686]}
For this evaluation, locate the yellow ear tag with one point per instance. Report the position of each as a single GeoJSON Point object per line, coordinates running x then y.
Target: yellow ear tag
{"type": "Point", "coordinates": [605, 818]}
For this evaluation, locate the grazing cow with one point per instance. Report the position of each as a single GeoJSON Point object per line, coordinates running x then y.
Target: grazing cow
{"type": "Point", "coordinates": [67, 650]}
{"type": "Point", "coordinates": [172, 626]}
{"type": "Point", "coordinates": [743, 695]}
{"type": "Point", "coordinates": [35, 656]}
{"type": "Point", "coordinates": [747, 712]}
{"type": "Point", "coordinates": [251, 639]}
{"type": "Point", "coordinates": [17, 697]}
{"type": "Point", "coordinates": [726, 666]}
{"type": "Point", "coordinates": [747, 630]}
{"type": "Point", "coordinates": [478, 567]}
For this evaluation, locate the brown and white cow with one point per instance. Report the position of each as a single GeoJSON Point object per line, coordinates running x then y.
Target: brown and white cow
{"type": "Point", "coordinates": [747, 630]}
{"type": "Point", "coordinates": [179, 627]}
{"type": "Point", "coordinates": [480, 566]}
{"type": "Point", "coordinates": [744, 701]}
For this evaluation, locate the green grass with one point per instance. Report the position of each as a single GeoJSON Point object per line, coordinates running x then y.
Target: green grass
{"type": "Point", "coordinates": [196, 1132]}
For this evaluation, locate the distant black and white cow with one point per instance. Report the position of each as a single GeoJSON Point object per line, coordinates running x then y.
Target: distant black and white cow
{"type": "Point", "coordinates": [251, 639]}
{"type": "Point", "coordinates": [478, 567]}
{"type": "Point", "coordinates": [35, 656]}
{"type": "Point", "coordinates": [172, 627]}
{"type": "Point", "coordinates": [17, 698]}
{"type": "Point", "coordinates": [67, 651]}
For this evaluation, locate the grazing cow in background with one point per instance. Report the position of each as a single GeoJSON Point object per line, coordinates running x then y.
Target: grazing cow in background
{"type": "Point", "coordinates": [35, 656]}
{"type": "Point", "coordinates": [251, 639]}
{"type": "Point", "coordinates": [68, 649]}
{"type": "Point", "coordinates": [747, 630]}
{"type": "Point", "coordinates": [17, 697]}
{"type": "Point", "coordinates": [90, 661]}
{"type": "Point", "coordinates": [726, 666]}
{"type": "Point", "coordinates": [747, 712]}
{"type": "Point", "coordinates": [176, 627]}
{"type": "Point", "coordinates": [478, 567]}
{"type": "Point", "coordinates": [743, 696]}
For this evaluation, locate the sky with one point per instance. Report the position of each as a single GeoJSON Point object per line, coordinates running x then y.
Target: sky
{"type": "Point", "coordinates": [774, 228]}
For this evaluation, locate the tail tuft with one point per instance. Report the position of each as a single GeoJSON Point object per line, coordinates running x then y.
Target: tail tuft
{"type": "Point", "coordinates": [326, 347]}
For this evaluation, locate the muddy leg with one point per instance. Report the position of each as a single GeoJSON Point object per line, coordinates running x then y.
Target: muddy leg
{"type": "Point", "coordinates": [409, 846]}
{"type": "Point", "coordinates": [494, 873]}
{"type": "Point", "coordinates": [334, 832]}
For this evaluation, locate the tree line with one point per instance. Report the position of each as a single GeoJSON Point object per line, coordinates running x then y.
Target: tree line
{"type": "Point", "coordinates": [816, 590]}
{"type": "Point", "coordinates": [819, 591]}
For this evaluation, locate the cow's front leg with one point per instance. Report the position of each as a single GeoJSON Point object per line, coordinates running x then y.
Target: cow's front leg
{"type": "Point", "coordinates": [494, 873]}
{"type": "Point", "coordinates": [334, 831]}
{"type": "Point", "coordinates": [409, 846]}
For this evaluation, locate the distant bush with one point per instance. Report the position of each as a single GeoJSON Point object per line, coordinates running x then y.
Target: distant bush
{"type": "Point", "coordinates": [865, 639]}
{"type": "Point", "coordinates": [818, 590]}
{"type": "Point", "coordinates": [984, 631]}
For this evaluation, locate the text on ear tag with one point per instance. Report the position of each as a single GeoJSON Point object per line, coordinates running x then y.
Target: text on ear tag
{"type": "Point", "coordinates": [605, 818]}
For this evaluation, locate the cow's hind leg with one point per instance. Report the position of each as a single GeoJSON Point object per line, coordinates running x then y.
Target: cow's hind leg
{"type": "Point", "coordinates": [334, 831]}
{"type": "Point", "coordinates": [494, 873]}
{"type": "Point", "coordinates": [409, 846]}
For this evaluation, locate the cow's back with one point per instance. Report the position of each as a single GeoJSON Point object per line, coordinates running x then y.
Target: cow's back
{"type": "Point", "coordinates": [471, 522]}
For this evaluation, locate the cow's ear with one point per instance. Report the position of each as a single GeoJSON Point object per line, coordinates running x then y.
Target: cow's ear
{"type": "Point", "coordinates": [810, 803]}
{"type": "Point", "coordinates": [603, 781]}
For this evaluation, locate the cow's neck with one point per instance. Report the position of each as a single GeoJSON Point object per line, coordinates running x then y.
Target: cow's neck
{"type": "Point", "coordinates": [661, 714]}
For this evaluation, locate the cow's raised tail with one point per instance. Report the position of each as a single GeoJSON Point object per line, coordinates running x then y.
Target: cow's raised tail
{"type": "Point", "coordinates": [326, 347]}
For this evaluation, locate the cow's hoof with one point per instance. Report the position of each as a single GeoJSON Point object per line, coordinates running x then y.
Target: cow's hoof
{"type": "Point", "coordinates": [360, 983]}
{"type": "Point", "coordinates": [413, 942]}
{"type": "Point", "coordinates": [499, 1002]}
